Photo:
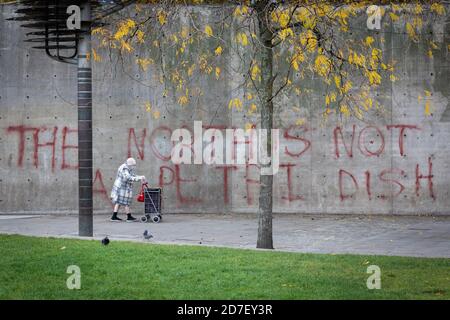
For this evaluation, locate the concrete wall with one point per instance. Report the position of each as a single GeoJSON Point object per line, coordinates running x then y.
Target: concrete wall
{"type": "Point", "coordinates": [389, 164]}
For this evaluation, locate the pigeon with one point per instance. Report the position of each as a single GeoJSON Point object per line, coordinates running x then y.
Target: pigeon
{"type": "Point", "coordinates": [105, 241]}
{"type": "Point", "coordinates": [147, 235]}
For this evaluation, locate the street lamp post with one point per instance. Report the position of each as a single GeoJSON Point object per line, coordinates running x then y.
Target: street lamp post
{"type": "Point", "coordinates": [85, 157]}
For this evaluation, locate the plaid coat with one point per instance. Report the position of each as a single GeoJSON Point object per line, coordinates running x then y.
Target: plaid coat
{"type": "Point", "coordinates": [122, 191]}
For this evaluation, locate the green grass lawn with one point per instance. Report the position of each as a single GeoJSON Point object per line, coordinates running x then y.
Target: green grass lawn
{"type": "Point", "coordinates": [35, 268]}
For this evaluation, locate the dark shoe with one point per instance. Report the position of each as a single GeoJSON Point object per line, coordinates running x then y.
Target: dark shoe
{"type": "Point", "coordinates": [116, 219]}
{"type": "Point", "coordinates": [130, 218]}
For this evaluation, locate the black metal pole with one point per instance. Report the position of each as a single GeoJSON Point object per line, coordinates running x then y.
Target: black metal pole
{"type": "Point", "coordinates": [85, 158]}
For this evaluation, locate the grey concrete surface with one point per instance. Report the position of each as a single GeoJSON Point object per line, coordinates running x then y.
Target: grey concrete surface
{"type": "Point", "coordinates": [389, 171]}
{"type": "Point", "coordinates": [372, 235]}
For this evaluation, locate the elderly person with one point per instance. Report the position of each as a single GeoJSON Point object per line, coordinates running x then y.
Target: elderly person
{"type": "Point", "coordinates": [122, 191]}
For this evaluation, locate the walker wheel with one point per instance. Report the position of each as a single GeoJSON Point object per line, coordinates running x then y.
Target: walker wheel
{"type": "Point", "coordinates": [156, 219]}
{"type": "Point", "coordinates": [144, 219]}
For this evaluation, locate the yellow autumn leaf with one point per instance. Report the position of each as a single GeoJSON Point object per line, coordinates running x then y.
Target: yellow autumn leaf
{"type": "Point", "coordinates": [394, 17]}
{"type": "Point", "coordinates": [98, 30]}
{"type": "Point", "coordinates": [236, 102]}
{"type": "Point", "coordinates": [148, 106]}
{"type": "Point", "coordinates": [369, 40]}
{"type": "Point", "coordinates": [248, 126]}
{"type": "Point", "coordinates": [358, 59]}
{"type": "Point", "coordinates": [333, 96]}
{"type": "Point", "coordinates": [120, 34]}
{"type": "Point", "coordinates": [322, 65]}
{"type": "Point", "coordinates": [346, 87]}
{"type": "Point", "coordinates": [411, 31]}
{"type": "Point", "coordinates": [144, 63]}
{"type": "Point", "coordinates": [284, 33]}
{"type": "Point", "coordinates": [337, 81]}
{"type": "Point", "coordinates": [162, 17]}
{"type": "Point", "coordinates": [418, 9]}
{"type": "Point", "coordinates": [396, 7]}
{"type": "Point", "coordinates": [183, 46]}
{"type": "Point", "coordinates": [96, 56]}
{"type": "Point", "coordinates": [183, 100]}
{"type": "Point", "coordinates": [300, 121]}
{"type": "Point", "coordinates": [184, 32]}
{"type": "Point", "coordinates": [302, 14]}
{"type": "Point", "coordinates": [208, 30]}
{"type": "Point", "coordinates": [252, 109]}
{"type": "Point", "coordinates": [140, 35]}
{"type": "Point", "coordinates": [130, 23]}
{"type": "Point", "coordinates": [125, 46]}
{"type": "Point", "coordinates": [300, 56]}
{"type": "Point", "coordinates": [124, 29]}
{"type": "Point", "coordinates": [283, 19]}
{"type": "Point", "coordinates": [217, 73]}
{"type": "Point", "coordinates": [240, 10]}
{"type": "Point", "coordinates": [433, 45]}
{"type": "Point", "coordinates": [374, 77]}
{"type": "Point", "coordinates": [344, 110]}
{"type": "Point", "coordinates": [438, 8]}
{"type": "Point", "coordinates": [156, 114]}
{"type": "Point", "coordinates": [255, 71]}
{"type": "Point", "coordinates": [376, 54]}
{"type": "Point", "coordinates": [242, 39]}
{"type": "Point", "coordinates": [417, 22]}
{"type": "Point", "coordinates": [191, 70]}
{"type": "Point", "coordinates": [218, 51]}
{"type": "Point", "coordinates": [311, 41]}
{"type": "Point", "coordinates": [368, 103]}
{"type": "Point", "coordinates": [274, 16]}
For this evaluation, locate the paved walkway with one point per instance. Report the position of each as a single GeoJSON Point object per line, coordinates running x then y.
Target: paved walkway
{"type": "Point", "coordinates": [384, 235]}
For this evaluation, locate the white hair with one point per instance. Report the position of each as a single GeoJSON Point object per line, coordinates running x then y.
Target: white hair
{"type": "Point", "coordinates": [131, 162]}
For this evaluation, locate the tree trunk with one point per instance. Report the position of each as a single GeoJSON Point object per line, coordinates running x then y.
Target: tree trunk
{"type": "Point", "coordinates": [265, 93]}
